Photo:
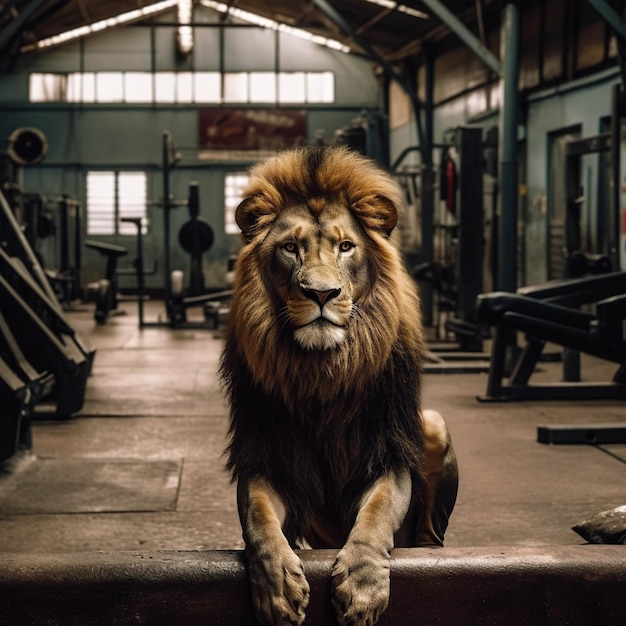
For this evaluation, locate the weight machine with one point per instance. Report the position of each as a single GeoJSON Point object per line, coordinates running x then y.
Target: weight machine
{"type": "Point", "coordinates": [42, 218]}
{"type": "Point", "coordinates": [456, 271]}
{"type": "Point", "coordinates": [195, 237]}
{"type": "Point", "coordinates": [45, 364]}
{"type": "Point", "coordinates": [106, 291]}
{"type": "Point", "coordinates": [551, 313]}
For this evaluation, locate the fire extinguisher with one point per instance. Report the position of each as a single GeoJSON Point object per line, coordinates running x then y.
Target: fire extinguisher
{"type": "Point", "coordinates": [448, 180]}
{"type": "Point", "coordinates": [451, 183]}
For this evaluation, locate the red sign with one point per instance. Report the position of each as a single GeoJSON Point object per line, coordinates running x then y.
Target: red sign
{"type": "Point", "coordinates": [251, 129]}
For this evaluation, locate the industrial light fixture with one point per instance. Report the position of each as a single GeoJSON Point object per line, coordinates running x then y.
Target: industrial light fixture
{"type": "Point", "coordinates": [185, 31]}
{"type": "Point", "coordinates": [395, 6]}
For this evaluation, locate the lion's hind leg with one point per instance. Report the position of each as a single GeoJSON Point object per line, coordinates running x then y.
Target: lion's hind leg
{"type": "Point", "coordinates": [441, 472]}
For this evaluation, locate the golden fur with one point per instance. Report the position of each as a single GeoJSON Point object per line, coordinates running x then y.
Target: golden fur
{"type": "Point", "coordinates": [322, 368]}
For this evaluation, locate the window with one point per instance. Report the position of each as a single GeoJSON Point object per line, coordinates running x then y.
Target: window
{"type": "Point", "coordinates": [236, 87]}
{"type": "Point", "coordinates": [165, 87]}
{"type": "Point", "coordinates": [137, 86]}
{"type": "Point", "coordinates": [207, 86]}
{"type": "Point", "coordinates": [234, 184]}
{"type": "Point", "coordinates": [262, 87]}
{"type": "Point", "coordinates": [111, 196]}
{"type": "Point", "coordinates": [292, 87]}
{"type": "Point", "coordinates": [47, 87]}
{"type": "Point", "coordinates": [184, 87]}
{"type": "Point", "coordinates": [320, 87]}
{"type": "Point", "coordinates": [109, 87]}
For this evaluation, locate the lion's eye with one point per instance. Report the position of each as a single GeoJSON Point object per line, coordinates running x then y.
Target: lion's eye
{"type": "Point", "coordinates": [290, 247]}
{"type": "Point", "coordinates": [346, 246]}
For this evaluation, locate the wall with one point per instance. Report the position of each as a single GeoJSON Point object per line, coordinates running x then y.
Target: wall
{"type": "Point", "coordinates": [129, 136]}
{"type": "Point", "coordinates": [581, 103]}
{"type": "Point", "coordinates": [584, 102]}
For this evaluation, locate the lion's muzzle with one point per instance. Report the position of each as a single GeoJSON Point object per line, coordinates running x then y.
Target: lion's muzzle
{"type": "Point", "coordinates": [319, 316]}
{"type": "Point", "coordinates": [319, 308]}
{"type": "Point", "coordinates": [321, 296]}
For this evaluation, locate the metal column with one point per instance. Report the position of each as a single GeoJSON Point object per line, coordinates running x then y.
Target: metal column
{"type": "Point", "coordinates": [507, 240]}
{"type": "Point", "coordinates": [427, 185]}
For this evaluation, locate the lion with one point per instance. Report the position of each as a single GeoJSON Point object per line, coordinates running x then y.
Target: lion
{"type": "Point", "coordinates": [321, 366]}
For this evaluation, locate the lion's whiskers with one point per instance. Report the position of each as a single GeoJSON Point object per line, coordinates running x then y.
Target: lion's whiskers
{"type": "Point", "coordinates": [284, 317]}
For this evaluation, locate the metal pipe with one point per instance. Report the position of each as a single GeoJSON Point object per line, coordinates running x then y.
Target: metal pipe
{"type": "Point", "coordinates": [618, 239]}
{"type": "Point", "coordinates": [507, 239]}
{"type": "Point", "coordinates": [428, 182]}
{"type": "Point", "coordinates": [19, 23]}
{"type": "Point", "coordinates": [166, 165]}
{"type": "Point", "coordinates": [612, 18]}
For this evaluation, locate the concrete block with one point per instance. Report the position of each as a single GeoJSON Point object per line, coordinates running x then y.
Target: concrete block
{"type": "Point", "coordinates": [574, 585]}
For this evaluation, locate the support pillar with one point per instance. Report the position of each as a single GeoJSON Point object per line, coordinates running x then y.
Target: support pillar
{"type": "Point", "coordinates": [507, 240]}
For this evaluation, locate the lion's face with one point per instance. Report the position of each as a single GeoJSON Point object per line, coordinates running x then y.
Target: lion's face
{"type": "Point", "coordinates": [321, 296]}
{"type": "Point", "coordinates": [316, 267]}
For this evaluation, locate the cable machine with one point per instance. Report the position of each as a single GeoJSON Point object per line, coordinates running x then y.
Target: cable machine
{"type": "Point", "coordinates": [196, 237]}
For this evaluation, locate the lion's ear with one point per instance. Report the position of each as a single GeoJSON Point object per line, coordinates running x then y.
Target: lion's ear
{"type": "Point", "coordinates": [380, 214]}
{"type": "Point", "coordinates": [247, 217]}
{"type": "Point", "coordinates": [389, 216]}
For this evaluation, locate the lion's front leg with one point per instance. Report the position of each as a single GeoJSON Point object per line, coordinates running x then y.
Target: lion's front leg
{"type": "Point", "coordinates": [280, 592]}
{"type": "Point", "coordinates": [361, 571]}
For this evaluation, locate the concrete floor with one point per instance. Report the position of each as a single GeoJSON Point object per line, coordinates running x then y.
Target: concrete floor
{"type": "Point", "coordinates": [141, 468]}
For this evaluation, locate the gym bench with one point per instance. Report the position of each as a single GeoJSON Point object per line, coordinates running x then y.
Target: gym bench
{"type": "Point", "coordinates": [578, 585]}
{"type": "Point", "coordinates": [106, 293]}
{"type": "Point", "coordinates": [548, 313]}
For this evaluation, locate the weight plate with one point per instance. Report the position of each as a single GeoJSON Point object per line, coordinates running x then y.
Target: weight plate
{"type": "Point", "coordinates": [195, 235]}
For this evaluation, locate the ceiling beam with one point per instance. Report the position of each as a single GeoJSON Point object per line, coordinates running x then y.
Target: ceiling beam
{"type": "Point", "coordinates": [18, 23]}
{"type": "Point", "coordinates": [374, 20]}
{"type": "Point", "coordinates": [47, 13]}
{"type": "Point", "coordinates": [339, 20]}
{"type": "Point", "coordinates": [83, 11]}
{"type": "Point", "coordinates": [6, 9]}
{"type": "Point", "coordinates": [613, 19]}
{"type": "Point", "coordinates": [463, 33]}
{"type": "Point", "coordinates": [347, 29]}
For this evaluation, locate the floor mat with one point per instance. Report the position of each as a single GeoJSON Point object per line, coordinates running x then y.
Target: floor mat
{"type": "Point", "coordinates": [51, 485]}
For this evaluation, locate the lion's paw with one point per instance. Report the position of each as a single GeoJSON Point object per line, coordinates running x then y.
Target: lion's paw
{"type": "Point", "coordinates": [280, 591]}
{"type": "Point", "coordinates": [360, 586]}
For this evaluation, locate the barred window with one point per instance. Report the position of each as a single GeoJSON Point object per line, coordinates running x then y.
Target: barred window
{"type": "Point", "coordinates": [184, 87]}
{"type": "Point", "coordinates": [112, 196]}
{"type": "Point", "coordinates": [234, 184]}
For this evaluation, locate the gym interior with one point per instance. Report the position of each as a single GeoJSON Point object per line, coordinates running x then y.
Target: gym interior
{"type": "Point", "coordinates": [127, 130]}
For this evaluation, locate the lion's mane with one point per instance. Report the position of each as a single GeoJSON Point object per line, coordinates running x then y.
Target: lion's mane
{"type": "Point", "coordinates": [322, 424]}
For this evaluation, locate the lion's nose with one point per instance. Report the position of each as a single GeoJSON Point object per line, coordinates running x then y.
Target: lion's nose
{"type": "Point", "coordinates": [321, 296]}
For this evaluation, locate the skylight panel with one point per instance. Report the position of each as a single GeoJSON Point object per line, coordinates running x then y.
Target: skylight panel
{"type": "Point", "coordinates": [395, 6]}
{"type": "Point", "coordinates": [122, 18]}
{"type": "Point", "coordinates": [265, 22]}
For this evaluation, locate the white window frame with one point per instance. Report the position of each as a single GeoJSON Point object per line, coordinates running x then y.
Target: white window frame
{"type": "Point", "coordinates": [184, 87]}
{"type": "Point", "coordinates": [234, 184]}
{"type": "Point", "coordinates": [112, 195]}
